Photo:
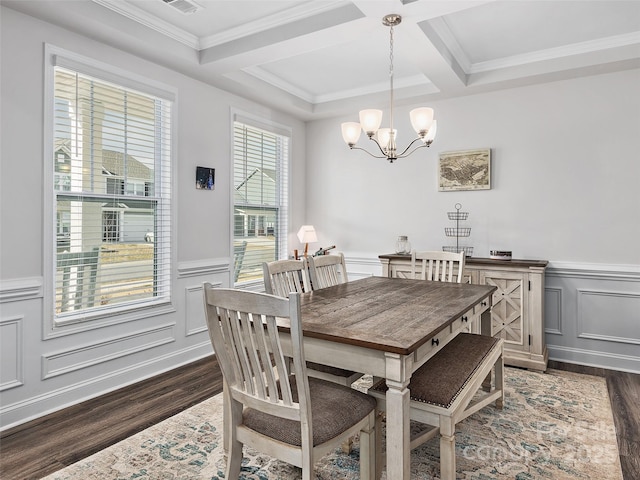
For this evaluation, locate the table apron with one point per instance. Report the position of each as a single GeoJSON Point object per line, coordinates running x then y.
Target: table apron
{"type": "Point", "coordinates": [341, 355]}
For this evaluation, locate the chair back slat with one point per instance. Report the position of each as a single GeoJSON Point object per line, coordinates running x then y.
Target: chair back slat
{"type": "Point", "coordinates": [244, 332]}
{"type": "Point", "coordinates": [282, 277]}
{"type": "Point", "coordinates": [327, 271]}
{"type": "Point", "coordinates": [437, 266]}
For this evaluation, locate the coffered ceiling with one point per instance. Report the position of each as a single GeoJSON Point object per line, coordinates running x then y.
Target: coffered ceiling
{"type": "Point", "coordinates": [315, 58]}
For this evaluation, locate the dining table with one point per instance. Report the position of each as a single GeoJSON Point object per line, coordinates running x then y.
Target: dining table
{"type": "Point", "coordinates": [388, 328]}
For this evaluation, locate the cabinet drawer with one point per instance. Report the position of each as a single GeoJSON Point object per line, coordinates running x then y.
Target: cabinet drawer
{"type": "Point", "coordinates": [465, 323]}
{"type": "Point", "coordinates": [430, 348]}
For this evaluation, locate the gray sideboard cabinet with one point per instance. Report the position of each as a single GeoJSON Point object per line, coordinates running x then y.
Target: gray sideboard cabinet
{"type": "Point", "coordinates": [518, 304]}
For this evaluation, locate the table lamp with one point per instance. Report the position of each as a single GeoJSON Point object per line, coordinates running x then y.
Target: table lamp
{"type": "Point", "coordinates": [307, 235]}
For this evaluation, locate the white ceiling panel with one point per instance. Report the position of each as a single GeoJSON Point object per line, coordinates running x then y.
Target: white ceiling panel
{"type": "Point", "coordinates": [316, 58]}
{"type": "Point", "coordinates": [507, 28]}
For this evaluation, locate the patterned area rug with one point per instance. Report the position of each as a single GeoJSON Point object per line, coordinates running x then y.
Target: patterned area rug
{"type": "Point", "coordinates": [554, 426]}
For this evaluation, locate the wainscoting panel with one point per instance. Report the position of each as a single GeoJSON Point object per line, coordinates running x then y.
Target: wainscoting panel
{"type": "Point", "coordinates": [591, 315]}
{"type": "Point", "coordinates": [12, 348]}
{"type": "Point", "coordinates": [195, 318]}
{"type": "Point", "coordinates": [553, 311]}
{"type": "Point", "coordinates": [85, 356]}
{"type": "Point", "coordinates": [594, 306]}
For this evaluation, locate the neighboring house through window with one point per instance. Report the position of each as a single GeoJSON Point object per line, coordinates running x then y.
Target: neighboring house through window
{"type": "Point", "coordinates": [112, 191]}
{"type": "Point", "coordinates": [260, 196]}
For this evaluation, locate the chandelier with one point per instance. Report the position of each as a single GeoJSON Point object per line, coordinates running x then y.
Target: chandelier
{"type": "Point", "coordinates": [370, 120]}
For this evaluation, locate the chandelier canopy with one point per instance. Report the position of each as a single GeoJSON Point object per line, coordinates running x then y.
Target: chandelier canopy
{"type": "Point", "coordinates": [371, 119]}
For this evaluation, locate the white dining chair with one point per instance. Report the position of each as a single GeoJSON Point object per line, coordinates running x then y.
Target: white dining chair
{"type": "Point", "coordinates": [294, 418]}
{"type": "Point", "coordinates": [281, 278]}
{"type": "Point", "coordinates": [437, 266]}
{"type": "Point", "coordinates": [327, 270]}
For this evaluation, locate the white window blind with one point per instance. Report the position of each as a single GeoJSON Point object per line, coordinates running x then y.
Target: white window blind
{"type": "Point", "coordinates": [260, 158]}
{"type": "Point", "coordinates": [112, 168]}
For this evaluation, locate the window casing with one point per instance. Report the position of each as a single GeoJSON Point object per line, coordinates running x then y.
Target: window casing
{"type": "Point", "coordinates": [111, 155]}
{"type": "Point", "coordinates": [260, 197]}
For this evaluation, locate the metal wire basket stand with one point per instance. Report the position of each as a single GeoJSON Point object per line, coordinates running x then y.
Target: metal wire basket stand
{"type": "Point", "coordinates": [458, 232]}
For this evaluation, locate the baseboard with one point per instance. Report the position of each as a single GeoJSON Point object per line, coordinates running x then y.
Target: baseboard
{"type": "Point", "coordinates": [595, 359]}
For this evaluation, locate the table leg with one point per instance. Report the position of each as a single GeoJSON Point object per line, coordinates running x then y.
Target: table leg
{"type": "Point", "coordinates": [398, 415]}
{"type": "Point", "coordinates": [485, 329]}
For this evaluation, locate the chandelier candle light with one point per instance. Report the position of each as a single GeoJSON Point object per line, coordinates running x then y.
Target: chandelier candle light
{"type": "Point", "coordinates": [370, 120]}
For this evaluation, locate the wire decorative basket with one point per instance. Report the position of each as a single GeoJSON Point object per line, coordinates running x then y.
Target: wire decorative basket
{"type": "Point", "coordinates": [457, 231]}
{"type": "Point", "coordinates": [468, 251]}
{"type": "Point", "coordinates": [458, 215]}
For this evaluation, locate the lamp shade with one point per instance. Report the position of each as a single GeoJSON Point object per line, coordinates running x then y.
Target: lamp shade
{"type": "Point", "coordinates": [384, 136]}
{"type": "Point", "coordinates": [370, 120]}
{"type": "Point", "coordinates": [421, 119]}
{"type": "Point", "coordinates": [351, 132]}
{"type": "Point", "coordinates": [428, 139]}
{"type": "Point", "coordinates": [307, 234]}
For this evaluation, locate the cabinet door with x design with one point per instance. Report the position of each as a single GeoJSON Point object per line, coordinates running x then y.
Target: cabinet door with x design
{"type": "Point", "coordinates": [510, 302]}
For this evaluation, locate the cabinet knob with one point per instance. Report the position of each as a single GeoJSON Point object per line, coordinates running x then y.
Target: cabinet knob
{"type": "Point", "coordinates": [484, 304]}
{"type": "Point", "coordinates": [435, 341]}
{"type": "Point", "coordinates": [465, 319]}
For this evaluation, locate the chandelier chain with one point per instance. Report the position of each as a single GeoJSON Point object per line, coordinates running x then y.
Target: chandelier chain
{"type": "Point", "coordinates": [391, 76]}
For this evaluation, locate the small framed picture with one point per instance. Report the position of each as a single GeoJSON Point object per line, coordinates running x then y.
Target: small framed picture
{"type": "Point", "coordinates": [205, 178]}
{"type": "Point", "coordinates": [465, 170]}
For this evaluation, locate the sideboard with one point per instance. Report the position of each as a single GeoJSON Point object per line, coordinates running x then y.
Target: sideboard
{"type": "Point", "coordinates": [518, 304]}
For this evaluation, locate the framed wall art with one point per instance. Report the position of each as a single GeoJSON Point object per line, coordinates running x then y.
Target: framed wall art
{"type": "Point", "coordinates": [464, 170]}
{"type": "Point", "coordinates": [205, 178]}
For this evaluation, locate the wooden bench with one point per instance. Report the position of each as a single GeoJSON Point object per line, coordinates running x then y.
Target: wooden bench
{"type": "Point", "coordinates": [446, 390]}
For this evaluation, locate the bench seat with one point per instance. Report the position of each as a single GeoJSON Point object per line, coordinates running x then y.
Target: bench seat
{"type": "Point", "coordinates": [443, 392]}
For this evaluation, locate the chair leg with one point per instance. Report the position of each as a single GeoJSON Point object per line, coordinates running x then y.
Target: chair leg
{"type": "Point", "coordinates": [234, 453]}
{"type": "Point", "coordinates": [226, 416]}
{"type": "Point", "coordinates": [346, 446]}
{"type": "Point", "coordinates": [500, 381]}
{"type": "Point", "coordinates": [378, 444]}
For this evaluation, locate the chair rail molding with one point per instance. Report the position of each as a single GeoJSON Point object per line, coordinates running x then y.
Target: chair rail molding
{"type": "Point", "coordinates": [594, 271]}
{"type": "Point", "coordinates": [21, 289]}
{"type": "Point", "coordinates": [211, 266]}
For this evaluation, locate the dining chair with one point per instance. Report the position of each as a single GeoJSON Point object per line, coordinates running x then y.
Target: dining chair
{"type": "Point", "coordinates": [437, 266]}
{"type": "Point", "coordinates": [327, 271]}
{"type": "Point", "coordinates": [294, 418]}
{"type": "Point", "coordinates": [282, 277]}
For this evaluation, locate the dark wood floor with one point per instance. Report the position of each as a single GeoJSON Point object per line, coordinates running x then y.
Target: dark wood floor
{"type": "Point", "coordinates": [45, 445]}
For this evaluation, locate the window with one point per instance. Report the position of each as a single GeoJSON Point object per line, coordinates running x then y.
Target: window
{"type": "Point", "coordinates": [112, 196]}
{"type": "Point", "coordinates": [260, 158]}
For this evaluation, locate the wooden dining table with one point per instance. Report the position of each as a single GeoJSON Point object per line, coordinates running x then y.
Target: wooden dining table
{"type": "Point", "coordinates": [389, 327]}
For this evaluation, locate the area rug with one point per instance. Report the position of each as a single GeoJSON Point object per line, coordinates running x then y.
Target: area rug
{"type": "Point", "coordinates": [554, 426]}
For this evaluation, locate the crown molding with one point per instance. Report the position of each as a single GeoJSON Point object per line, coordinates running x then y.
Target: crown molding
{"type": "Point", "coordinates": [293, 14]}
{"type": "Point", "coordinates": [591, 46]}
{"type": "Point", "coordinates": [140, 16]}
{"type": "Point", "coordinates": [441, 28]}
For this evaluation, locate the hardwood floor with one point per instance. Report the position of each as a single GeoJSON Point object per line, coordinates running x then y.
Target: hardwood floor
{"type": "Point", "coordinates": [45, 445]}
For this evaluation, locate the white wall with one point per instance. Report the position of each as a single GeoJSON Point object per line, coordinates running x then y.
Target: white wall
{"type": "Point", "coordinates": [565, 175]}
{"type": "Point", "coordinates": [39, 375]}
{"type": "Point", "coordinates": [565, 188]}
